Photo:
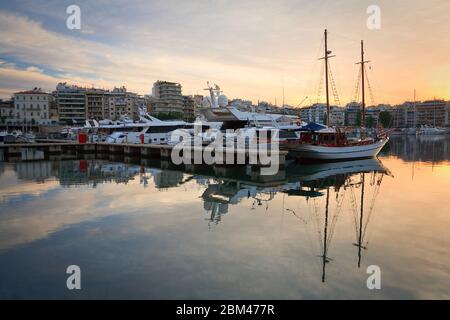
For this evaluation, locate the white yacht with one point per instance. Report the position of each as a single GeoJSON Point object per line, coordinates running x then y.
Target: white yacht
{"type": "Point", "coordinates": [427, 130]}
{"type": "Point", "coordinates": [147, 130]}
{"type": "Point", "coordinates": [221, 117]}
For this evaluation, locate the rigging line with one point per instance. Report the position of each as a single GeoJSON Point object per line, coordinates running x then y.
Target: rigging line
{"type": "Point", "coordinates": [372, 204]}
{"type": "Point", "coordinates": [318, 224]}
{"type": "Point", "coordinates": [321, 74]}
{"type": "Point", "coordinates": [333, 87]}
{"type": "Point", "coordinates": [320, 85]}
{"type": "Point", "coordinates": [353, 79]}
{"type": "Point", "coordinates": [335, 218]}
{"type": "Point", "coordinates": [311, 86]}
{"type": "Point", "coordinates": [357, 87]}
{"type": "Point", "coordinates": [309, 236]}
{"type": "Point", "coordinates": [368, 86]}
{"type": "Point", "coordinates": [314, 217]}
{"type": "Point", "coordinates": [354, 210]}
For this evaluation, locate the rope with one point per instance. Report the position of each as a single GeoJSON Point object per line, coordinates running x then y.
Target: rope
{"type": "Point", "coordinates": [320, 85]}
{"type": "Point", "coordinates": [333, 87]}
{"type": "Point", "coordinates": [368, 86]}
{"type": "Point", "coordinates": [357, 87]}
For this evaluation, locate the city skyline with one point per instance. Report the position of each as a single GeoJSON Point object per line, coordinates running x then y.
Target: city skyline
{"type": "Point", "coordinates": [253, 50]}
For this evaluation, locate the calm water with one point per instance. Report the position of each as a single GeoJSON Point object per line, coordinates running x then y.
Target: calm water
{"type": "Point", "coordinates": [152, 231]}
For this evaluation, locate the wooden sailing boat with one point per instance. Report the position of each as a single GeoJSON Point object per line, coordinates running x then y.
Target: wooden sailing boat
{"type": "Point", "coordinates": [330, 143]}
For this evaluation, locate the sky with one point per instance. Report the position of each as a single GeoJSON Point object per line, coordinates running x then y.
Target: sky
{"type": "Point", "coordinates": [253, 49]}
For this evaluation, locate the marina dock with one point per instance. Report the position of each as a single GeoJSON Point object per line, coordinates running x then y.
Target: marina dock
{"type": "Point", "coordinates": [44, 150]}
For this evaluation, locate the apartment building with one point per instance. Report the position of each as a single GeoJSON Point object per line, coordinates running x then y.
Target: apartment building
{"type": "Point", "coordinates": [188, 108]}
{"type": "Point", "coordinates": [95, 103]}
{"type": "Point", "coordinates": [7, 112]}
{"type": "Point", "coordinates": [317, 113]}
{"type": "Point", "coordinates": [433, 113]}
{"type": "Point", "coordinates": [404, 115]}
{"type": "Point", "coordinates": [167, 97]}
{"type": "Point", "coordinates": [32, 106]}
{"type": "Point", "coordinates": [71, 102]}
{"type": "Point", "coordinates": [121, 102]}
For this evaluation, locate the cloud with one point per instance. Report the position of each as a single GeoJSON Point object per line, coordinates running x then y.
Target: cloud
{"type": "Point", "coordinates": [252, 48]}
{"type": "Point", "coordinates": [90, 62]}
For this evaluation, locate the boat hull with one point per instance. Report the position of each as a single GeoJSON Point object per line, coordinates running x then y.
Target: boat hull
{"type": "Point", "coordinates": [308, 151]}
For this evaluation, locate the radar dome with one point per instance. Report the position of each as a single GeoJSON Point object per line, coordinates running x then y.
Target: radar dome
{"type": "Point", "coordinates": [223, 100]}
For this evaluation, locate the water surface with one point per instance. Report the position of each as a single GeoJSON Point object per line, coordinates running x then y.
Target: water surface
{"type": "Point", "coordinates": [154, 231]}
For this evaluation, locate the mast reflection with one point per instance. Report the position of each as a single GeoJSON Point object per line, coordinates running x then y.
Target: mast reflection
{"type": "Point", "coordinates": [222, 188]}
{"type": "Point", "coordinates": [320, 180]}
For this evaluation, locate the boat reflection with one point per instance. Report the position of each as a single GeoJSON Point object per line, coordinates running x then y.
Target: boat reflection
{"type": "Point", "coordinates": [337, 181]}
{"type": "Point", "coordinates": [323, 186]}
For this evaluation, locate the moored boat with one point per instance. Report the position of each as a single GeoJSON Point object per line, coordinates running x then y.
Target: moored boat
{"type": "Point", "coordinates": [319, 142]}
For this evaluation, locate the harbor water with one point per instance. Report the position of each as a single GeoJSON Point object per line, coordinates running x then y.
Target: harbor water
{"type": "Point", "coordinates": [151, 230]}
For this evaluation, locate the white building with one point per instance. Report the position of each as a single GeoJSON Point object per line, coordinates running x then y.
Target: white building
{"type": "Point", "coordinates": [71, 103]}
{"type": "Point", "coordinates": [32, 106]}
{"type": "Point", "coordinates": [317, 113]}
{"type": "Point", "coordinates": [167, 97]}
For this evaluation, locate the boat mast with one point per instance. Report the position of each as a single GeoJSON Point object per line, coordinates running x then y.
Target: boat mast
{"type": "Point", "coordinates": [326, 78]}
{"type": "Point", "coordinates": [325, 234]}
{"type": "Point", "coordinates": [360, 238]}
{"type": "Point", "coordinates": [363, 102]}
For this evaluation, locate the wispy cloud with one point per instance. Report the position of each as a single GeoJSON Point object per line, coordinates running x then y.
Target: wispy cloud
{"type": "Point", "coordinates": [251, 48]}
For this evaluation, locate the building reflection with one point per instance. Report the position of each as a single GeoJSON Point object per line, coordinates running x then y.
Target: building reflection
{"type": "Point", "coordinates": [39, 171]}
{"type": "Point", "coordinates": [433, 148]}
{"type": "Point", "coordinates": [322, 185]}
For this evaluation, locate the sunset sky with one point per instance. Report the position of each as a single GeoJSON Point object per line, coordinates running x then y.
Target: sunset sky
{"type": "Point", "coordinates": [251, 48]}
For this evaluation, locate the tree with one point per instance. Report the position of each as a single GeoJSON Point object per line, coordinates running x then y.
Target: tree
{"type": "Point", "coordinates": [385, 119]}
{"type": "Point", "coordinates": [370, 122]}
{"type": "Point", "coordinates": [358, 119]}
